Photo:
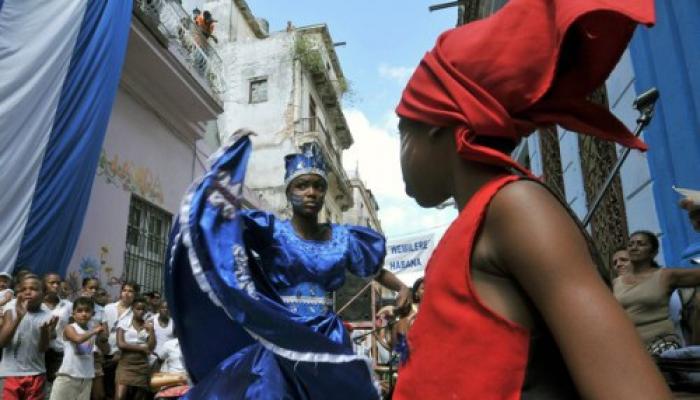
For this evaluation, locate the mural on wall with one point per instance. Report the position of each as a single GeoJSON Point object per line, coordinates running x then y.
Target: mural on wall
{"type": "Point", "coordinates": [91, 267]}
{"type": "Point", "coordinates": [127, 176]}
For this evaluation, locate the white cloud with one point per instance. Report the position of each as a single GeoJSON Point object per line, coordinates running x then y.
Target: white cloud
{"type": "Point", "coordinates": [398, 74]}
{"type": "Point", "coordinates": [376, 154]}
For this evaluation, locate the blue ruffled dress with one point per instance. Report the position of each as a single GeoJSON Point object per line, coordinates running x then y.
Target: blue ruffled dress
{"type": "Point", "coordinates": [251, 299]}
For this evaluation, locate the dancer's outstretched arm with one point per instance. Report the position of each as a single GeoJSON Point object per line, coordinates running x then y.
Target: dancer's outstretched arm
{"type": "Point", "coordinates": [387, 279]}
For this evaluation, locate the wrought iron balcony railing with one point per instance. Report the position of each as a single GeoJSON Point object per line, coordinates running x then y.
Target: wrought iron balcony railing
{"type": "Point", "coordinates": [171, 21]}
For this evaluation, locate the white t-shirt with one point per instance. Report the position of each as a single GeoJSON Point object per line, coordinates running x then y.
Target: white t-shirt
{"type": "Point", "coordinates": [132, 336]}
{"type": "Point", "coordinates": [171, 355]}
{"type": "Point", "coordinates": [162, 334]}
{"type": "Point", "coordinates": [78, 359]}
{"type": "Point", "coordinates": [21, 357]}
{"type": "Point", "coordinates": [113, 321]}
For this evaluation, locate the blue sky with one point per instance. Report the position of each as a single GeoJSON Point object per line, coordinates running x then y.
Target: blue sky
{"type": "Point", "coordinates": [385, 41]}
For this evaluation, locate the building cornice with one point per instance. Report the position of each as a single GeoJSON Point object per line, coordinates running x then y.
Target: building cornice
{"type": "Point", "coordinates": [250, 19]}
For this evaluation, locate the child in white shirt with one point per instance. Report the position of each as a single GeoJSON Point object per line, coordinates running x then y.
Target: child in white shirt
{"type": "Point", "coordinates": [74, 377]}
{"type": "Point", "coordinates": [24, 338]}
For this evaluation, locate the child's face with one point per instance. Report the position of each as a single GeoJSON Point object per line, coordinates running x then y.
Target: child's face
{"type": "Point", "coordinates": [65, 289]}
{"type": "Point", "coordinates": [424, 163]}
{"type": "Point", "coordinates": [52, 283]}
{"type": "Point", "coordinates": [30, 291]}
{"type": "Point", "coordinates": [155, 302]}
{"type": "Point", "coordinates": [139, 310]}
{"type": "Point", "coordinates": [90, 288]}
{"type": "Point", "coordinates": [82, 314]}
{"type": "Point", "coordinates": [101, 297]}
{"type": "Point", "coordinates": [4, 282]}
{"type": "Point", "coordinates": [163, 309]}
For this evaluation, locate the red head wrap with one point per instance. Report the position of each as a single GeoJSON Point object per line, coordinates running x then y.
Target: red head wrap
{"type": "Point", "coordinates": [530, 64]}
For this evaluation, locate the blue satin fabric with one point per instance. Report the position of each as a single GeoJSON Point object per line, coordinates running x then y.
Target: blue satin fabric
{"type": "Point", "coordinates": [227, 274]}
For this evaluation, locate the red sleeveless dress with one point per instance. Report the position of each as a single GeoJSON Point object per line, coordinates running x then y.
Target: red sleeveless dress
{"type": "Point", "coordinates": [458, 347]}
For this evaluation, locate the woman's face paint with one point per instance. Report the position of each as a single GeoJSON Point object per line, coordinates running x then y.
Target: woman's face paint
{"type": "Point", "coordinates": [306, 194]}
{"type": "Point", "coordinates": [296, 200]}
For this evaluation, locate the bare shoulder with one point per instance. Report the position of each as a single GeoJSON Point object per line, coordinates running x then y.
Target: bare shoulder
{"type": "Point", "coordinates": [524, 195]}
{"type": "Point", "coordinates": [531, 230]}
{"type": "Point", "coordinates": [528, 211]}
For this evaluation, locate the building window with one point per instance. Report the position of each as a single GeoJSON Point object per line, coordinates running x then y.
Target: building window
{"type": "Point", "coordinates": [146, 241]}
{"type": "Point", "coordinates": [258, 90]}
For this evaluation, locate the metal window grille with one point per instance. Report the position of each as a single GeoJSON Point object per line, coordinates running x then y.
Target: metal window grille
{"type": "Point", "coordinates": [146, 241]}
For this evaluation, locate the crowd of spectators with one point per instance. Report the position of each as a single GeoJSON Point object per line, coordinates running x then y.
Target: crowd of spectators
{"type": "Point", "coordinates": [85, 348]}
{"type": "Point", "coordinates": [88, 348]}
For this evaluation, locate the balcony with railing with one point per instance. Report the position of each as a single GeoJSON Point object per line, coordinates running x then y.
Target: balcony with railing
{"type": "Point", "coordinates": [176, 30]}
{"type": "Point", "coordinates": [313, 48]}
{"type": "Point", "coordinates": [313, 129]}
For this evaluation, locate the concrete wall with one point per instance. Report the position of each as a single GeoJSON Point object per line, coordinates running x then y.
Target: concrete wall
{"type": "Point", "coordinates": [230, 26]}
{"type": "Point", "coordinates": [141, 156]}
{"type": "Point", "coordinates": [272, 119]}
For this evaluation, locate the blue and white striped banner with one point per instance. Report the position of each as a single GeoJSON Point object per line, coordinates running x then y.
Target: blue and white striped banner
{"type": "Point", "coordinates": [61, 63]}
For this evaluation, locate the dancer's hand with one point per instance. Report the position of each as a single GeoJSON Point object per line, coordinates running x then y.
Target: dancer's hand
{"type": "Point", "coordinates": [403, 302]}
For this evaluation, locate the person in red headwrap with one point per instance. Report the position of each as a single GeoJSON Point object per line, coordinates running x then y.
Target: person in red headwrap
{"type": "Point", "coordinates": [513, 306]}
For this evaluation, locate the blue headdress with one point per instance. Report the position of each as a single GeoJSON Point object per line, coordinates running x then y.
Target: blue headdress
{"type": "Point", "coordinates": [309, 161]}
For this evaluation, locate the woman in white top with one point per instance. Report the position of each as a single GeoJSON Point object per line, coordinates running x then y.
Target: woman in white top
{"type": "Point", "coordinates": [115, 314]}
{"type": "Point", "coordinates": [119, 312]}
{"type": "Point", "coordinates": [136, 340]}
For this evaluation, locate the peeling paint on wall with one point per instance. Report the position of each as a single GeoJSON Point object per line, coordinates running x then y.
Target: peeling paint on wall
{"type": "Point", "coordinates": [131, 178]}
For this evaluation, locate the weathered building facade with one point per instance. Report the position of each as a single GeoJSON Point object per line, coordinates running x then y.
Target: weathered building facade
{"type": "Point", "coordinates": [157, 142]}
{"type": "Point", "coordinates": [286, 86]}
{"type": "Point", "coordinates": [365, 207]}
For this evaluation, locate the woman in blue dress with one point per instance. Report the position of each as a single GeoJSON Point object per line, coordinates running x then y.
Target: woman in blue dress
{"type": "Point", "coordinates": [250, 293]}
